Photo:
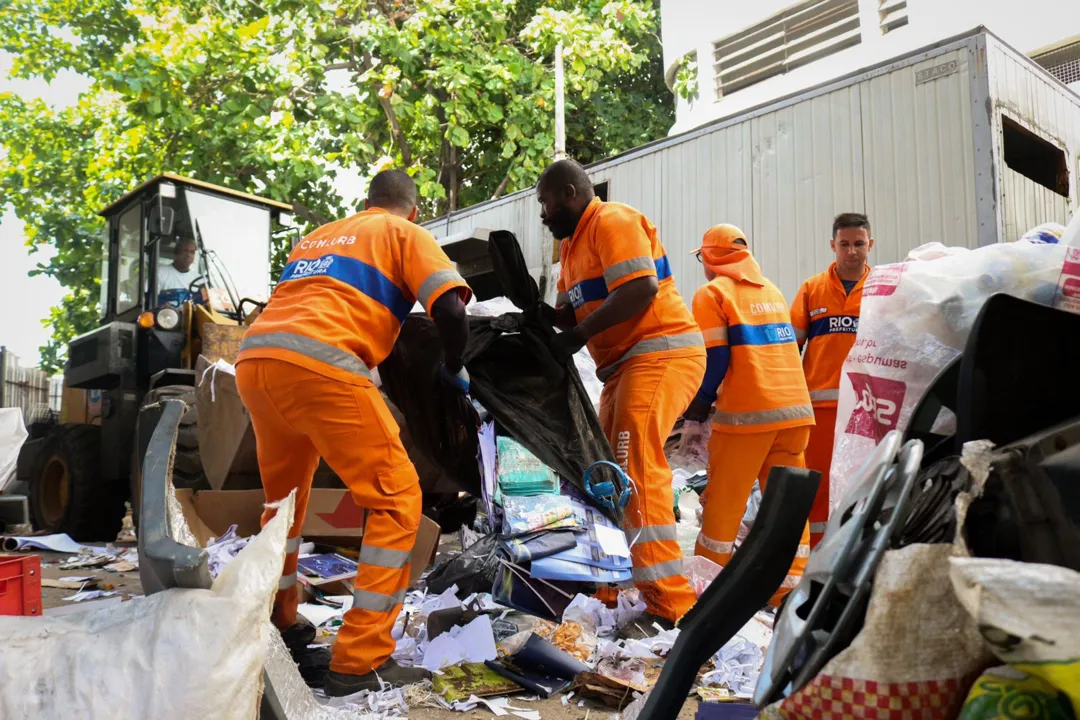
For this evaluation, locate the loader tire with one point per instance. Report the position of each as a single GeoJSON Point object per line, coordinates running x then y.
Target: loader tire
{"type": "Point", "coordinates": [67, 493]}
{"type": "Point", "coordinates": [187, 463]}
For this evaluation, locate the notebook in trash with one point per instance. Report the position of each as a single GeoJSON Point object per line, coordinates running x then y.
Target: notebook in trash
{"type": "Point", "coordinates": [325, 568]}
{"type": "Point", "coordinates": [520, 473]}
{"type": "Point", "coordinates": [539, 667]}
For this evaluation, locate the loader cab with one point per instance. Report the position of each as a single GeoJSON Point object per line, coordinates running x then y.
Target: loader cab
{"type": "Point", "coordinates": [185, 265]}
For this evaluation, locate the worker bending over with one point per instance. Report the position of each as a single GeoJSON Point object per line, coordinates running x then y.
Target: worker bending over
{"type": "Point", "coordinates": [617, 295]}
{"type": "Point", "coordinates": [826, 318]}
{"type": "Point", "coordinates": [763, 413]}
{"type": "Point", "coordinates": [304, 374]}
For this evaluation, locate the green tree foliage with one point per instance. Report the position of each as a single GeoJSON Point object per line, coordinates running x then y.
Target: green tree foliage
{"type": "Point", "coordinates": [278, 97]}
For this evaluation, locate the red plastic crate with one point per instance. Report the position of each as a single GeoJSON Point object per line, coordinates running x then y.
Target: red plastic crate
{"type": "Point", "coordinates": [20, 585]}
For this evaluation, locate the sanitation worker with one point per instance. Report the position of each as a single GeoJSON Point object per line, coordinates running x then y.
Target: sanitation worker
{"type": "Point", "coordinates": [763, 414]}
{"type": "Point", "coordinates": [304, 374]}
{"type": "Point", "coordinates": [617, 296]}
{"type": "Point", "coordinates": [826, 318]}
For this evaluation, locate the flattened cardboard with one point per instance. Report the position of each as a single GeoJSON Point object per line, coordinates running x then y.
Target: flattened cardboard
{"type": "Point", "coordinates": [226, 438]}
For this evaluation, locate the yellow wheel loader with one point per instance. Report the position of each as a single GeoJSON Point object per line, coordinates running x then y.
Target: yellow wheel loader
{"type": "Point", "coordinates": [186, 266]}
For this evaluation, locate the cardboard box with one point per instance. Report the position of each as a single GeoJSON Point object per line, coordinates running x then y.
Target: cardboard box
{"type": "Point", "coordinates": [332, 517]}
{"type": "Point", "coordinates": [226, 438]}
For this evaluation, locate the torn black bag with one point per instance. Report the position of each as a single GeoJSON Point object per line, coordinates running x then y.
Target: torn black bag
{"type": "Point", "coordinates": [538, 401]}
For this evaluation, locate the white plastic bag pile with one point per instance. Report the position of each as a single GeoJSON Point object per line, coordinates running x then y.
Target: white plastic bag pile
{"type": "Point", "coordinates": [916, 317]}
{"type": "Point", "coordinates": [177, 654]}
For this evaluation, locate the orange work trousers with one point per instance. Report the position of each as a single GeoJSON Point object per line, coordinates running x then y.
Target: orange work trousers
{"type": "Point", "coordinates": [735, 461]}
{"type": "Point", "coordinates": [819, 457]}
{"type": "Point", "coordinates": [299, 416]}
{"type": "Point", "coordinates": [639, 406]}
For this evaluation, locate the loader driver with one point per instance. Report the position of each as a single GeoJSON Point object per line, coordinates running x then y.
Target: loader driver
{"type": "Point", "coordinates": [763, 413]}
{"type": "Point", "coordinates": [304, 375]}
{"type": "Point", "coordinates": [617, 295]}
{"type": "Point", "coordinates": [181, 272]}
{"type": "Point", "coordinates": [826, 318]}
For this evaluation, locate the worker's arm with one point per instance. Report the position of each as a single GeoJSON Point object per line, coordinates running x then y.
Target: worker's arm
{"type": "Point", "coordinates": [448, 313]}
{"type": "Point", "coordinates": [564, 312]}
{"type": "Point", "coordinates": [625, 303]}
{"type": "Point", "coordinates": [800, 316]}
{"type": "Point", "coordinates": [711, 318]}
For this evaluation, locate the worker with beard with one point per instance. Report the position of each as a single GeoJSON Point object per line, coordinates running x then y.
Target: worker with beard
{"type": "Point", "coordinates": [617, 296]}
{"type": "Point", "coordinates": [755, 378]}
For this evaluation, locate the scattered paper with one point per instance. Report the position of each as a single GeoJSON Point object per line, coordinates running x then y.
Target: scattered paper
{"type": "Point", "coordinates": [612, 541]}
{"type": "Point", "coordinates": [319, 614]}
{"type": "Point", "coordinates": [473, 643]}
{"type": "Point", "coordinates": [62, 584]}
{"type": "Point", "coordinates": [55, 543]}
{"type": "Point", "coordinates": [90, 595]}
{"type": "Point", "coordinates": [222, 550]}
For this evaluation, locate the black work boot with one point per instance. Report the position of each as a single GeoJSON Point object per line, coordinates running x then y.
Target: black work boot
{"type": "Point", "coordinates": [313, 663]}
{"type": "Point", "coordinates": [389, 674]}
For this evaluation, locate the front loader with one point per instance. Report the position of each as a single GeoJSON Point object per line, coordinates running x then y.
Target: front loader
{"type": "Point", "coordinates": [153, 330]}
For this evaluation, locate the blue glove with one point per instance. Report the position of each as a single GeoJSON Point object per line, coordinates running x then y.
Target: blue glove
{"type": "Point", "coordinates": [455, 382]}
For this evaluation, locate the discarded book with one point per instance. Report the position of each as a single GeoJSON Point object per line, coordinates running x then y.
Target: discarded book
{"type": "Point", "coordinates": [325, 568]}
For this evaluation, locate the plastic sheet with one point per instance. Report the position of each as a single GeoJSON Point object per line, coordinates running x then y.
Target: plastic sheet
{"type": "Point", "coordinates": [122, 661]}
{"type": "Point", "coordinates": [915, 319]}
{"type": "Point", "coordinates": [12, 437]}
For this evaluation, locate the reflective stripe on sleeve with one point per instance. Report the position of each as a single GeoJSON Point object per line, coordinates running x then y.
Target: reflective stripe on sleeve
{"type": "Point", "coordinates": [287, 581]}
{"type": "Point", "coordinates": [434, 281]}
{"type": "Point", "coordinates": [383, 557]}
{"type": "Point", "coordinates": [626, 267]}
{"type": "Point", "coordinates": [718, 334]}
{"type": "Point", "coordinates": [314, 349]}
{"type": "Point", "coordinates": [293, 545]}
{"type": "Point", "coordinates": [651, 345]}
{"type": "Point", "coordinates": [764, 417]}
{"type": "Point", "coordinates": [376, 602]}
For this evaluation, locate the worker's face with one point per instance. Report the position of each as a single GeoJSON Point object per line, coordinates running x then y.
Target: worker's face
{"type": "Point", "coordinates": [560, 210]}
{"type": "Point", "coordinates": [184, 257]}
{"type": "Point", "coordinates": [851, 246]}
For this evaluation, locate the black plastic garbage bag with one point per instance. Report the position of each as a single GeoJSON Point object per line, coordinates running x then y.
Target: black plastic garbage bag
{"type": "Point", "coordinates": [473, 570]}
{"type": "Point", "coordinates": [538, 401]}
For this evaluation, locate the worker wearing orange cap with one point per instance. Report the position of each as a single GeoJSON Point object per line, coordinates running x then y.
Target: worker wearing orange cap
{"type": "Point", "coordinates": [826, 318]}
{"type": "Point", "coordinates": [763, 414]}
{"type": "Point", "coordinates": [304, 374]}
{"type": "Point", "coordinates": [617, 295]}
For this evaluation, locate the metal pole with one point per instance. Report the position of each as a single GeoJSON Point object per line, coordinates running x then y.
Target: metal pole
{"type": "Point", "coordinates": [560, 105]}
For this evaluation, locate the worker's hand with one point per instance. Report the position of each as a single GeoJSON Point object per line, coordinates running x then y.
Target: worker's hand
{"type": "Point", "coordinates": [566, 344]}
{"type": "Point", "coordinates": [565, 319]}
{"type": "Point", "coordinates": [455, 382]}
{"type": "Point", "coordinates": [698, 410]}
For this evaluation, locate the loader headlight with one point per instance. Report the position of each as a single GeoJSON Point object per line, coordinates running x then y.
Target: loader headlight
{"type": "Point", "coordinates": [168, 318]}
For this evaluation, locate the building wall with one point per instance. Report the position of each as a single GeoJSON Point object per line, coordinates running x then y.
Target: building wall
{"type": "Point", "coordinates": [899, 149]}
{"type": "Point", "coordinates": [1053, 113]}
{"type": "Point", "coordinates": [693, 25]}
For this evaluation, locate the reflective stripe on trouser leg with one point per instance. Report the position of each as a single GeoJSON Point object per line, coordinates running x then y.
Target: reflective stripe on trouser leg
{"type": "Point", "coordinates": [819, 457]}
{"type": "Point", "coordinates": [355, 432]}
{"type": "Point", "coordinates": [639, 407]}
{"type": "Point", "coordinates": [287, 462]}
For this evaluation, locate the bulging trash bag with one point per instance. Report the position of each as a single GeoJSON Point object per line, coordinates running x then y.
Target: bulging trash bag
{"type": "Point", "coordinates": [174, 655]}
{"type": "Point", "coordinates": [916, 317]}
{"type": "Point", "coordinates": [541, 403]}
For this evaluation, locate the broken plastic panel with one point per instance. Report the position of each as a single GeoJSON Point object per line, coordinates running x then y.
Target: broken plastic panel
{"type": "Point", "coordinates": [826, 608]}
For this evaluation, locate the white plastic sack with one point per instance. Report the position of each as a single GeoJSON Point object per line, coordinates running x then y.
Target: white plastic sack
{"type": "Point", "coordinates": [177, 654]}
{"type": "Point", "coordinates": [12, 437]}
{"type": "Point", "coordinates": [915, 319]}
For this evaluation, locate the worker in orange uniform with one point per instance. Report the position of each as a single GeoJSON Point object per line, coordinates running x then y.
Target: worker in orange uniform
{"type": "Point", "coordinates": [826, 318]}
{"type": "Point", "coordinates": [617, 295]}
{"type": "Point", "coordinates": [763, 413]}
{"type": "Point", "coordinates": [304, 374]}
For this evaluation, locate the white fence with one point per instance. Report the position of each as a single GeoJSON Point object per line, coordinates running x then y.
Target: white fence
{"type": "Point", "coordinates": [31, 389]}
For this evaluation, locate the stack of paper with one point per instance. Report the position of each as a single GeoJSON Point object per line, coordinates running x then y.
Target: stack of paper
{"type": "Point", "coordinates": [521, 474]}
{"type": "Point", "coordinates": [601, 555]}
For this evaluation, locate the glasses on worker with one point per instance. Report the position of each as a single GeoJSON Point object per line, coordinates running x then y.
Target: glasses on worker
{"type": "Point", "coordinates": [699, 259]}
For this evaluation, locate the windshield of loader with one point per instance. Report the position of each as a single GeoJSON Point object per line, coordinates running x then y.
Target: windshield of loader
{"type": "Point", "coordinates": [236, 239]}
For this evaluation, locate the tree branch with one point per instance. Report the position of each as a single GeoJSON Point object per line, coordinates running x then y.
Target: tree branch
{"type": "Point", "coordinates": [502, 186]}
{"type": "Point", "coordinates": [306, 213]}
{"type": "Point", "coordinates": [391, 117]}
